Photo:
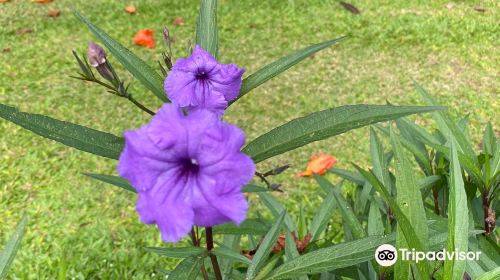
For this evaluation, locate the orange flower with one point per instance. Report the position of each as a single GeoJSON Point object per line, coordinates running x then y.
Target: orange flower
{"type": "Point", "coordinates": [42, 1]}
{"type": "Point", "coordinates": [319, 164]}
{"type": "Point", "coordinates": [130, 9]}
{"type": "Point", "coordinates": [145, 37]}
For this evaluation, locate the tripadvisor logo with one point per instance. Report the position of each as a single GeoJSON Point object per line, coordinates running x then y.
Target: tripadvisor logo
{"type": "Point", "coordinates": [387, 255]}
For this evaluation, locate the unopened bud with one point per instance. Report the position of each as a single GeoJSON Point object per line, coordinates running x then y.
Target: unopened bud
{"type": "Point", "coordinates": [96, 55]}
{"type": "Point", "coordinates": [97, 59]}
{"type": "Point", "coordinates": [166, 36]}
{"type": "Point", "coordinates": [168, 61]}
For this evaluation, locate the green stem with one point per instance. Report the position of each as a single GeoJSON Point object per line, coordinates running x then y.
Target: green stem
{"type": "Point", "coordinates": [142, 107]}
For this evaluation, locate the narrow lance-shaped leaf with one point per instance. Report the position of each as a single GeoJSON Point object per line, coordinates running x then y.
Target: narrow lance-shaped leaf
{"type": "Point", "coordinates": [466, 162]}
{"type": "Point", "coordinates": [227, 253]}
{"type": "Point", "coordinates": [248, 226]}
{"type": "Point", "coordinates": [268, 267]}
{"type": "Point", "coordinates": [291, 252]}
{"type": "Point", "coordinates": [231, 242]}
{"type": "Point", "coordinates": [448, 127]}
{"type": "Point", "coordinates": [405, 225]}
{"type": "Point", "coordinates": [489, 140]}
{"type": "Point", "coordinates": [176, 252]}
{"type": "Point", "coordinates": [415, 146]}
{"type": "Point", "coordinates": [73, 135]}
{"type": "Point", "coordinates": [410, 202]}
{"type": "Point", "coordinates": [325, 211]}
{"type": "Point", "coordinates": [206, 29]}
{"type": "Point", "coordinates": [276, 209]}
{"type": "Point", "coordinates": [9, 252]}
{"type": "Point", "coordinates": [321, 125]}
{"type": "Point", "coordinates": [458, 217]}
{"type": "Point", "coordinates": [330, 258]}
{"type": "Point", "coordinates": [375, 223]}
{"type": "Point", "coordinates": [490, 275]}
{"type": "Point", "coordinates": [348, 175]}
{"type": "Point", "coordinates": [265, 248]}
{"type": "Point", "coordinates": [411, 146]}
{"type": "Point", "coordinates": [347, 214]}
{"type": "Point", "coordinates": [380, 169]}
{"type": "Point", "coordinates": [113, 180]}
{"type": "Point", "coordinates": [141, 71]}
{"type": "Point", "coordinates": [187, 269]}
{"type": "Point", "coordinates": [275, 68]}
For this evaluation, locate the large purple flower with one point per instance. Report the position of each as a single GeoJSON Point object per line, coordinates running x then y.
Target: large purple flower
{"type": "Point", "coordinates": [187, 170]}
{"type": "Point", "coordinates": [200, 82]}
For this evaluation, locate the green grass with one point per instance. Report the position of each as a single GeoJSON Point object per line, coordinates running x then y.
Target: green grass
{"type": "Point", "coordinates": [83, 229]}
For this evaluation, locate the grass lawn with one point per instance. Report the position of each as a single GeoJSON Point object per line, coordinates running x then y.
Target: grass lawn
{"type": "Point", "coordinates": [82, 229]}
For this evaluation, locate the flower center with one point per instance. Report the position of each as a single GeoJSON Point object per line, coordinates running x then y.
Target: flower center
{"type": "Point", "coordinates": [202, 75]}
{"type": "Point", "coordinates": [190, 166]}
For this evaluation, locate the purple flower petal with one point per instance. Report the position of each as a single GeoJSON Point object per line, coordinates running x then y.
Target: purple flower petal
{"type": "Point", "coordinates": [188, 170]}
{"type": "Point", "coordinates": [200, 82]}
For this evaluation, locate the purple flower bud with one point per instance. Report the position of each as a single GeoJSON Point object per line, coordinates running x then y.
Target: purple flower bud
{"type": "Point", "coordinates": [166, 36]}
{"type": "Point", "coordinates": [97, 59]}
{"type": "Point", "coordinates": [96, 55]}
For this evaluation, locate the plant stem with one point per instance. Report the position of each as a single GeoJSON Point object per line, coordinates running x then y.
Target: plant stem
{"type": "Point", "coordinates": [142, 107]}
{"type": "Point", "coordinates": [213, 258]}
{"type": "Point", "coordinates": [196, 243]}
{"type": "Point", "coordinates": [489, 214]}
{"type": "Point", "coordinates": [113, 89]}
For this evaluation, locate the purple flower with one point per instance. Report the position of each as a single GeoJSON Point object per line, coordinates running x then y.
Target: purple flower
{"type": "Point", "coordinates": [200, 82]}
{"type": "Point", "coordinates": [187, 170]}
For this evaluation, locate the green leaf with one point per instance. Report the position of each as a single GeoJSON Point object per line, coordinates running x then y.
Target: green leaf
{"type": "Point", "coordinates": [489, 140]}
{"type": "Point", "coordinates": [375, 223]}
{"type": "Point", "coordinates": [458, 218]}
{"type": "Point", "coordinates": [9, 252]}
{"type": "Point", "coordinates": [448, 127]}
{"type": "Point", "coordinates": [230, 254]}
{"type": "Point", "coordinates": [207, 35]}
{"type": "Point", "coordinates": [404, 223]}
{"type": "Point", "coordinates": [187, 269]}
{"type": "Point", "coordinates": [321, 125]}
{"type": "Point", "coordinates": [276, 209]}
{"type": "Point", "coordinates": [347, 214]}
{"type": "Point", "coordinates": [412, 143]}
{"type": "Point", "coordinates": [428, 182]}
{"type": "Point", "coordinates": [254, 188]}
{"type": "Point", "coordinates": [265, 248]}
{"type": "Point", "coordinates": [348, 175]}
{"type": "Point", "coordinates": [490, 275]}
{"type": "Point", "coordinates": [113, 180]}
{"type": "Point", "coordinates": [290, 247]}
{"type": "Point", "coordinates": [176, 252]}
{"type": "Point", "coordinates": [410, 202]}
{"type": "Point", "coordinates": [141, 71]}
{"type": "Point", "coordinates": [73, 135]}
{"type": "Point", "coordinates": [302, 227]}
{"type": "Point", "coordinates": [466, 162]}
{"type": "Point", "coordinates": [248, 226]}
{"type": "Point", "coordinates": [330, 258]}
{"type": "Point", "coordinates": [324, 212]}
{"type": "Point", "coordinates": [277, 67]}
{"type": "Point", "coordinates": [231, 242]}
{"type": "Point", "coordinates": [380, 169]}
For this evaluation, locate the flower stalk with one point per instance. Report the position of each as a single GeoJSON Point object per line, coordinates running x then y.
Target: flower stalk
{"type": "Point", "coordinates": [97, 59]}
{"type": "Point", "coordinates": [213, 258]}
